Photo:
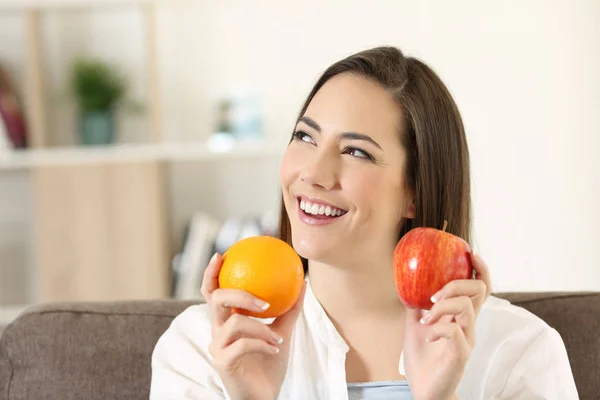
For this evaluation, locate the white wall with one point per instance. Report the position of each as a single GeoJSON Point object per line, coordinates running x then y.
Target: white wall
{"type": "Point", "coordinates": [524, 74]}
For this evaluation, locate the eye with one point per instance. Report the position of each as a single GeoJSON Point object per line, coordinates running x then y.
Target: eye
{"type": "Point", "coordinates": [353, 151]}
{"type": "Point", "coordinates": [303, 136]}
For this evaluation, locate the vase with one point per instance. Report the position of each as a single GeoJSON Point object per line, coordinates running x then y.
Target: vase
{"type": "Point", "coordinates": [97, 128]}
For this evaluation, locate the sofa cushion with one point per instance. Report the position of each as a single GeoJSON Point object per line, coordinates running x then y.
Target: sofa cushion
{"type": "Point", "coordinates": [102, 351]}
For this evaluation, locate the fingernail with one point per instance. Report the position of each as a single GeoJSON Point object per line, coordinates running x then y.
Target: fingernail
{"type": "Point", "coordinates": [263, 305]}
{"type": "Point", "coordinates": [434, 299]}
{"type": "Point", "coordinates": [277, 338]}
{"type": "Point", "coordinates": [213, 258]}
{"type": "Point", "coordinates": [274, 349]}
{"type": "Point", "coordinates": [425, 318]}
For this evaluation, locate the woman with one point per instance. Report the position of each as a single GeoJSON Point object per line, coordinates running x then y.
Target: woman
{"type": "Point", "coordinates": [378, 149]}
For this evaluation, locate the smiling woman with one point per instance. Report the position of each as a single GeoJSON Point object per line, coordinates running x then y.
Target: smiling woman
{"type": "Point", "coordinates": [378, 149]}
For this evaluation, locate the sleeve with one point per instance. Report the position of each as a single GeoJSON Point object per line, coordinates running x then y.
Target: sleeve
{"type": "Point", "coordinates": [543, 372]}
{"type": "Point", "coordinates": [181, 364]}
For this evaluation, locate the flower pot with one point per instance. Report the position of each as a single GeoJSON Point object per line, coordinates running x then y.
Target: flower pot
{"type": "Point", "coordinates": [97, 128]}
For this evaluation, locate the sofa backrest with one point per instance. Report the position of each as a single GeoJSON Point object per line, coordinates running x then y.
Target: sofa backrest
{"type": "Point", "coordinates": [98, 351]}
{"type": "Point", "coordinates": [86, 351]}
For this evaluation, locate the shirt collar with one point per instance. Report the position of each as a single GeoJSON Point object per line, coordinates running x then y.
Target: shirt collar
{"type": "Point", "coordinates": [320, 324]}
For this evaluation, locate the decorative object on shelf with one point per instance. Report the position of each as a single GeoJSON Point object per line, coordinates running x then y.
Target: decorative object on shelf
{"type": "Point", "coordinates": [99, 90]}
{"type": "Point", "coordinates": [12, 121]}
{"type": "Point", "coordinates": [240, 115]}
{"type": "Point", "coordinates": [224, 123]}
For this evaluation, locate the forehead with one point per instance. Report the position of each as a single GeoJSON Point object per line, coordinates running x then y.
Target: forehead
{"type": "Point", "coordinates": [350, 103]}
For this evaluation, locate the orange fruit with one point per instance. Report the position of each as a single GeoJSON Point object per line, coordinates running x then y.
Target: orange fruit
{"type": "Point", "coordinates": [267, 268]}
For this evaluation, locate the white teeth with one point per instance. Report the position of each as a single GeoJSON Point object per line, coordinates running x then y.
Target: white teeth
{"type": "Point", "coordinates": [317, 209]}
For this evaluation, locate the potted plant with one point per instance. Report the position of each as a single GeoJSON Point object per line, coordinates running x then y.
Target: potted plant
{"type": "Point", "coordinates": [98, 89]}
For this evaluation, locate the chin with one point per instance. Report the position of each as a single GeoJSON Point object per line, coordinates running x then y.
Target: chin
{"type": "Point", "coordinates": [316, 248]}
{"type": "Point", "coordinates": [309, 246]}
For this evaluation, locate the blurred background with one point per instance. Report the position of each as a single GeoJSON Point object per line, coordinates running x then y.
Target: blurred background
{"type": "Point", "coordinates": [137, 136]}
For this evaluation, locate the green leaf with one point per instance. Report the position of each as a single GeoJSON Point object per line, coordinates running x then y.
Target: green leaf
{"type": "Point", "coordinates": [96, 86]}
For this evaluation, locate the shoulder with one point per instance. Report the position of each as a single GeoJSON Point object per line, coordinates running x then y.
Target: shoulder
{"type": "Point", "coordinates": [519, 353]}
{"type": "Point", "coordinates": [181, 361]}
{"type": "Point", "coordinates": [509, 329]}
{"type": "Point", "coordinates": [502, 319]}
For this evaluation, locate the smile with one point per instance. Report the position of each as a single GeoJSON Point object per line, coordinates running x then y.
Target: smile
{"type": "Point", "coordinates": [316, 212]}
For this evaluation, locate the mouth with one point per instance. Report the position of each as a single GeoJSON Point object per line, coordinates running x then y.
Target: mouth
{"type": "Point", "coordinates": [320, 210]}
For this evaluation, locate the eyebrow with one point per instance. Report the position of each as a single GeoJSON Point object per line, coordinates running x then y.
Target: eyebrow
{"type": "Point", "coordinates": [346, 135]}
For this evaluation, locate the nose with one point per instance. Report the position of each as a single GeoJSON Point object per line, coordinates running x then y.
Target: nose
{"type": "Point", "coordinates": [321, 171]}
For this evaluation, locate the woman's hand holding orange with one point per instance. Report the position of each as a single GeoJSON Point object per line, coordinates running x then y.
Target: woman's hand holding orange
{"type": "Point", "coordinates": [250, 356]}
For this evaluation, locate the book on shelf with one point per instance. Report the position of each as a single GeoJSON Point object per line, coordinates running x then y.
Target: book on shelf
{"type": "Point", "coordinates": [205, 235]}
{"type": "Point", "coordinates": [12, 121]}
{"type": "Point", "coordinates": [189, 265]}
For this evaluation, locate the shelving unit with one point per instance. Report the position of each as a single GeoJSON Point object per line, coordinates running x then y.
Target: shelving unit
{"type": "Point", "coordinates": [160, 152]}
{"type": "Point", "coordinates": [35, 93]}
{"type": "Point", "coordinates": [101, 214]}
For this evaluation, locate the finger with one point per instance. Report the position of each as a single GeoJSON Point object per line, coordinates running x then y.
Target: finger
{"type": "Point", "coordinates": [482, 272]}
{"type": "Point", "coordinates": [227, 358]}
{"type": "Point", "coordinates": [284, 325]}
{"type": "Point", "coordinates": [449, 331]}
{"type": "Point", "coordinates": [473, 288]}
{"type": "Point", "coordinates": [462, 311]}
{"type": "Point", "coordinates": [240, 326]}
{"type": "Point", "coordinates": [210, 279]}
{"type": "Point", "coordinates": [223, 300]}
{"type": "Point", "coordinates": [461, 308]}
{"type": "Point", "coordinates": [413, 317]}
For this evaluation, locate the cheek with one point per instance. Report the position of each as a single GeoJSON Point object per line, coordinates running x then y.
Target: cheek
{"type": "Point", "coordinates": [361, 190]}
{"type": "Point", "coordinates": [375, 196]}
{"type": "Point", "coordinates": [287, 168]}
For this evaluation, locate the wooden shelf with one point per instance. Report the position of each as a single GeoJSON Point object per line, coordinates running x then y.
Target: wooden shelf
{"type": "Point", "coordinates": [16, 5]}
{"type": "Point", "coordinates": [169, 152]}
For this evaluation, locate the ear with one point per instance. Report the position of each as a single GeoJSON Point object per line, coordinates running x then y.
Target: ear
{"type": "Point", "coordinates": [411, 211]}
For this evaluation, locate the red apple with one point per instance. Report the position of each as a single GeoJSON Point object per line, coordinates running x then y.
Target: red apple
{"type": "Point", "coordinates": [425, 260]}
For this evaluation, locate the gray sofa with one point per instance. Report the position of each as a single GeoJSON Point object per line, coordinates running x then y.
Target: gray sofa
{"type": "Point", "coordinates": [97, 351]}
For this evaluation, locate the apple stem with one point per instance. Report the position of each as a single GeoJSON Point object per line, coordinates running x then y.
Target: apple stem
{"type": "Point", "coordinates": [445, 226]}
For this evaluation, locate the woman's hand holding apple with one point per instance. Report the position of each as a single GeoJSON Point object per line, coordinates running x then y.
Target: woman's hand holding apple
{"type": "Point", "coordinates": [438, 342]}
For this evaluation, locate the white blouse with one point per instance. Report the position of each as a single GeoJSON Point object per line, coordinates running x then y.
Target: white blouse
{"type": "Point", "coordinates": [517, 356]}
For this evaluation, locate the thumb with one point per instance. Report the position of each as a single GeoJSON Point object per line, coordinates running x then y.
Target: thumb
{"type": "Point", "coordinates": [284, 325]}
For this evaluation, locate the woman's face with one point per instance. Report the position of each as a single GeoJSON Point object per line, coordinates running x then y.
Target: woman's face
{"type": "Point", "coordinates": [343, 174]}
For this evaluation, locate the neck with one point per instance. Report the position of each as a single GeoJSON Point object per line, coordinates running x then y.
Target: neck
{"type": "Point", "coordinates": [354, 293]}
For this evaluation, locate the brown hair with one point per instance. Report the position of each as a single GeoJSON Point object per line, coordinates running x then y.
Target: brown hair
{"type": "Point", "coordinates": [437, 168]}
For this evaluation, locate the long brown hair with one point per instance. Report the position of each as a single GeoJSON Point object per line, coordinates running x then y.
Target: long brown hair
{"type": "Point", "coordinates": [437, 167]}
